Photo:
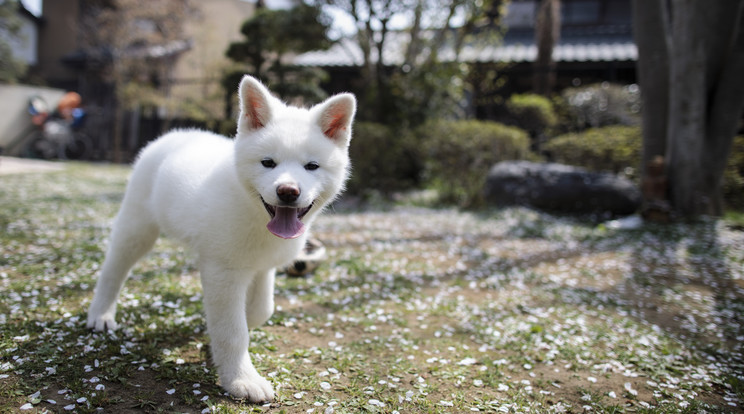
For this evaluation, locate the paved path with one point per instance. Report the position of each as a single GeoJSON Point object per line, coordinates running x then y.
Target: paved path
{"type": "Point", "coordinates": [11, 165]}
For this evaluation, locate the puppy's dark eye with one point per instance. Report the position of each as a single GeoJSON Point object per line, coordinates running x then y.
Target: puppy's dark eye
{"type": "Point", "coordinates": [268, 163]}
{"type": "Point", "coordinates": [312, 166]}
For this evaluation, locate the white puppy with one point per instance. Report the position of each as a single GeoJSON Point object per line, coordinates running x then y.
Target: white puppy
{"type": "Point", "coordinates": [243, 205]}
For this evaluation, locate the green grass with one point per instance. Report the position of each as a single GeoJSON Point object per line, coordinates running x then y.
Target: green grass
{"type": "Point", "coordinates": [417, 310]}
{"type": "Point", "coordinates": [735, 218]}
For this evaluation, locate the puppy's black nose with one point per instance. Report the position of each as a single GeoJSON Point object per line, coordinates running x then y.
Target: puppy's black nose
{"type": "Point", "coordinates": [288, 193]}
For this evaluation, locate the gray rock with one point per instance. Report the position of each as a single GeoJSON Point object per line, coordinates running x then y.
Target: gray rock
{"type": "Point", "coordinates": [562, 188]}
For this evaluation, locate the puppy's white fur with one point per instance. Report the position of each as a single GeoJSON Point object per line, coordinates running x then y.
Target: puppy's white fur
{"type": "Point", "coordinates": [217, 195]}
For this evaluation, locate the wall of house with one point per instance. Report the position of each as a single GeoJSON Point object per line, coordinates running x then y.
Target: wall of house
{"type": "Point", "coordinates": [15, 124]}
{"type": "Point", "coordinates": [58, 36]}
{"type": "Point", "coordinates": [197, 75]}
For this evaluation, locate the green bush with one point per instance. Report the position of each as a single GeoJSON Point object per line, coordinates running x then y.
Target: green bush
{"type": "Point", "coordinates": [618, 149]}
{"type": "Point", "coordinates": [454, 157]}
{"type": "Point", "coordinates": [459, 154]}
{"type": "Point", "coordinates": [533, 113]}
{"type": "Point", "coordinates": [603, 104]}
{"type": "Point", "coordinates": [226, 127]}
{"type": "Point", "coordinates": [382, 159]}
{"type": "Point", "coordinates": [733, 176]}
{"type": "Point", "coordinates": [613, 148]}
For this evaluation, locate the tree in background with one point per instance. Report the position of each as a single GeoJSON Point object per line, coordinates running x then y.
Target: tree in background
{"type": "Point", "coordinates": [10, 68]}
{"type": "Point", "coordinates": [547, 33]}
{"type": "Point", "coordinates": [136, 42]}
{"type": "Point", "coordinates": [425, 84]}
{"type": "Point", "coordinates": [271, 36]}
{"type": "Point", "coordinates": [690, 68]}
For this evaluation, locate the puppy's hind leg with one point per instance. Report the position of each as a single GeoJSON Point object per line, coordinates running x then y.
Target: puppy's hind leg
{"type": "Point", "coordinates": [133, 235]}
{"type": "Point", "coordinates": [260, 299]}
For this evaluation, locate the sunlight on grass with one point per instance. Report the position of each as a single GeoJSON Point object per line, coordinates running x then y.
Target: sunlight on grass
{"type": "Point", "coordinates": [736, 218]}
{"type": "Point", "coordinates": [416, 310]}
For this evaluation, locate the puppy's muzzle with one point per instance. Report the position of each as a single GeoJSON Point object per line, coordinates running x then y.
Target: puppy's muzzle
{"type": "Point", "coordinates": [288, 193]}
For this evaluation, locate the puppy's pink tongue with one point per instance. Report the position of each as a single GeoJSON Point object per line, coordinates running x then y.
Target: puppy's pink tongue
{"type": "Point", "coordinates": [285, 223]}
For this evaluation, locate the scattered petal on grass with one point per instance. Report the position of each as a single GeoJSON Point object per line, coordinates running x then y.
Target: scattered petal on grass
{"type": "Point", "coordinates": [376, 403]}
{"type": "Point", "coordinates": [522, 310]}
{"type": "Point", "coordinates": [35, 398]}
{"type": "Point", "coordinates": [468, 361]}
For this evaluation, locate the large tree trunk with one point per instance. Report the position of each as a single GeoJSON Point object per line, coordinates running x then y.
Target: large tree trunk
{"type": "Point", "coordinates": [687, 110]}
{"type": "Point", "coordinates": [692, 116]}
{"type": "Point", "coordinates": [706, 100]}
{"type": "Point", "coordinates": [547, 32]}
{"type": "Point", "coordinates": [724, 88]}
{"type": "Point", "coordinates": [651, 34]}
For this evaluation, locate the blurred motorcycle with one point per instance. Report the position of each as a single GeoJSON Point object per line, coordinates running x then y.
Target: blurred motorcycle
{"type": "Point", "coordinates": [58, 134]}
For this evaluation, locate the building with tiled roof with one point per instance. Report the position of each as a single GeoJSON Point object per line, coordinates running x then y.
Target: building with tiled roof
{"type": "Point", "coordinates": [586, 44]}
{"type": "Point", "coordinates": [595, 45]}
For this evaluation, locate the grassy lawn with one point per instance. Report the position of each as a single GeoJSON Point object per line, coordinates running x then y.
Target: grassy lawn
{"type": "Point", "coordinates": [417, 310]}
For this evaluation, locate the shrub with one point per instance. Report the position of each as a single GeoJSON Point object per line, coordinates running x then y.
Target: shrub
{"type": "Point", "coordinates": [733, 176]}
{"type": "Point", "coordinates": [382, 159]}
{"type": "Point", "coordinates": [604, 104]}
{"type": "Point", "coordinates": [226, 127]}
{"type": "Point", "coordinates": [459, 154]}
{"type": "Point", "coordinates": [533, 113]}
{"type": "Point", "coordinates": [612, 148]}
{"type": "Point", "coordinates": [618, 149]}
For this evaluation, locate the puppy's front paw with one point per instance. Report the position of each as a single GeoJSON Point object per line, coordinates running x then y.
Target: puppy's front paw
{"type": "Point", "coordinates": [256, 389]}
{"type": "Point", "coordinates": [102, 322]}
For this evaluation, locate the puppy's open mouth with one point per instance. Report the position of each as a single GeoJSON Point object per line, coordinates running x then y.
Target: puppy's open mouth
{"type": "Point", "coordinates": [286, 221]}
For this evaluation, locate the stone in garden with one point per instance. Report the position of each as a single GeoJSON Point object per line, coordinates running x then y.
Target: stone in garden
{"type": "Point", "coordinates": [561, 188]}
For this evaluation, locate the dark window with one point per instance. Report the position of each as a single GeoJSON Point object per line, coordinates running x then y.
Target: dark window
{"type": "Point", "coordinates": [617, 12]}
{"type": "Point", "coordinates": [521, 14]}
{"type": "Point", "coordinates": [581, 11]}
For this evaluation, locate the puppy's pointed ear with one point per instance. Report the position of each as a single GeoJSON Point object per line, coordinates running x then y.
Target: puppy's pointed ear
{"type": "Point", "coordinates": [336, 116]}
{"type": "Point", "coordinates": [255, 111]}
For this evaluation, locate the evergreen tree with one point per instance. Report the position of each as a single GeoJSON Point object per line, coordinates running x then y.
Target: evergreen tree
{"type": "Point", "coordinates": [10, 68]}
{"type": "Point", "coordinates": [271, 36]}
